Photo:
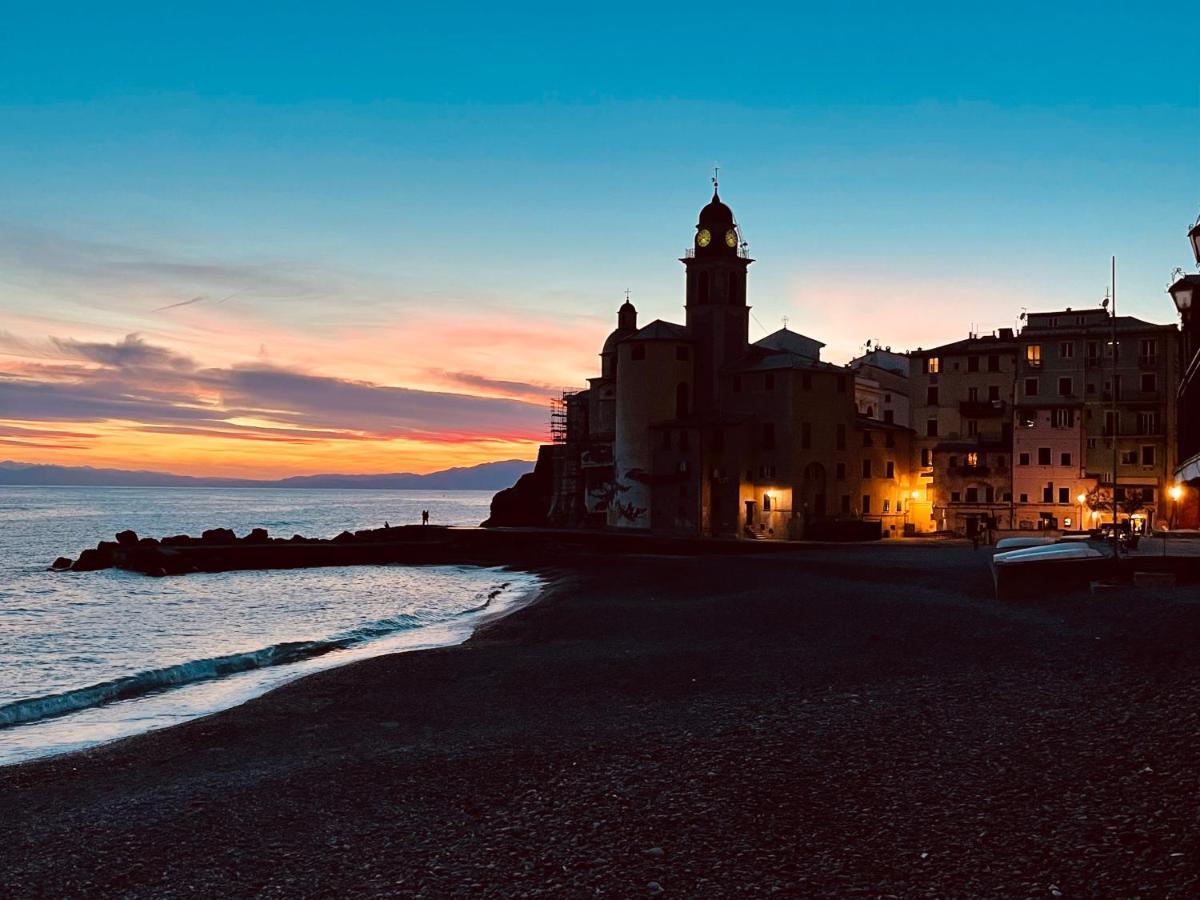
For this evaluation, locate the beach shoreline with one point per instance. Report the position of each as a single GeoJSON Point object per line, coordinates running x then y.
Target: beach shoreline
{"type": "Point", "coordinates": [830, 721]}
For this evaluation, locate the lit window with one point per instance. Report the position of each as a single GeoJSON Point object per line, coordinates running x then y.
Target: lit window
{"type": "Point", "coordinates": [934, 365]}
{"type": "Point", "coordinates": [1033, 356]}
{"type": "Point", "coordinates": [972, 459]}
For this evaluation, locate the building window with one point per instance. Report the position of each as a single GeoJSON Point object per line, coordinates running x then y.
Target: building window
{"type": "Point", "coordinates": [841, 437]}
{"type": "Point", "coordinates": [868, 440]}
{"type": "Point", "coordinates": [993, 362]}
{"type": "Point", "coordinates": [972, 495]}
{"type": "Point", "coordinates": [1147, 351]}
{"type": "Point", "coordinates": [931, 428]}
{"type": "Point", "coordinates": [1148, 455]}
{"type": "Point", "coordinates": [1033, 356]}
{"type": "Point", "coordinates": [1129, 457]}
{"type": "Point", "coordinates": [889, 416]}
{"type": "Point", "coordinates": [682, 353]}
{"type": "Point", "coordinates": [887, 506]}
{"type": "Point", "coordinates": [932, 365]}
{"type": "Point", "coordinates": [993, 392]}
{"type": "Point", "coordinates": [1064, 459]}
{"type": "Point", "coordinates": [806, 435]}
{"type": "Point", "coordinates": [1031, 387]}
{"type": "Point", "coordinates": [926, 460]}
{"type": "Point", "coordinates": [955, 496]}
{"type": "Point", "coordinates": [1149, 382]}
{"type": "Point", "coordinates": [766, 503]}
{"type": "Point", "coordinates": [1147, 423]}
{"type": "Point", "coordinates": [768, 435]}
{"type": "Point", "coordinates": [889, 469]}
{"type": "Point", "coordinates": [681, 400]}
{"type": "Point", "coordinates": [972, 427]}
{"type": "Point", "coordinates": [1044, 456]}
{"type": "Point", "coordinates": [1066, 387]}
{"type": "Point", "coordinates": [931, 395]}
{"type": "Point", "coordinates": [1063, 418]}
{"type": "Point", "coordinates": [1064, 495]}
{"type": "Point", "coordinates": [973, 460]}
{"type": "Point", "coordinates": [1066, 350]}
{"type": "Point", "coordinates": [1024, 498]}
{"type": "Point", "coordinates": [840, 471]}
{"type": "Point", "coordinates": [973, 394]}
{"type": "Point", "coordinates": [1022, 459]}
{"type": "Point", "coordinates": [972, 363]}
{"type": "Point", "coordinates": [637, 351]}
{"type": "Point", "coordinates": [866, 468]}
{"type": "Point", "coordinates": [1093, 350]}
{"type": "Point", "coordinates": [866, 506]}
{"type": "Point", "coordinates": [989, 494]}
{"type": "Point", "coordinates": [1048, 493]}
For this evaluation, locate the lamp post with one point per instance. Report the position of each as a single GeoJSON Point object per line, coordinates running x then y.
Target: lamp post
{"type": "Point", "coordinates": [1175, 492]}
{"type": "Point", "coordinates": [1081, 499]}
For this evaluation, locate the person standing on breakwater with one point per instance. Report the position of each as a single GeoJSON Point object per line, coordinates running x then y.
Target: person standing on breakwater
{"type": "Point", "coordinates": [424, 517]}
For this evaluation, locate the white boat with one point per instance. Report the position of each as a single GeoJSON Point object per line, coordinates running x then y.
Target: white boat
{"type": "Point", "coordinates": [1016, 543]}
{"type": "Point", "coordinates": [1045, 570]}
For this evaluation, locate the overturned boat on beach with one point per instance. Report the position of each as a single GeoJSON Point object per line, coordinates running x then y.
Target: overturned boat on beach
{"type": "Point", "coordinates": [1035, 571]}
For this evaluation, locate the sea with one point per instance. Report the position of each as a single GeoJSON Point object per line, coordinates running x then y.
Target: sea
{"type": "Point", "coordinates": [91, 657]}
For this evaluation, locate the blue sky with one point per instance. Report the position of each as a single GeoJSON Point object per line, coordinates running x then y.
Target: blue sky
{"type": "Point", "coordinates": [901, 174]}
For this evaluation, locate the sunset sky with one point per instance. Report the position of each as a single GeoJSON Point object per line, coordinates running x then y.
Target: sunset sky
{"type": "Point", "coordinates": [265, 240]}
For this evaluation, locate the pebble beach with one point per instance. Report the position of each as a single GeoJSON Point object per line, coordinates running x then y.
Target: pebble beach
{"type": "Point", "coordinates": [834, 721]}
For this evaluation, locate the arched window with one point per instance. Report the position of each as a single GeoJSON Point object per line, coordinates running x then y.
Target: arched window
{"type": "Point", "coordinates": [681, 400]}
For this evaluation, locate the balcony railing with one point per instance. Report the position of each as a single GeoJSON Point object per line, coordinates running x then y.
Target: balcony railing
{"type": "Point", "coordinates": [982, 409]}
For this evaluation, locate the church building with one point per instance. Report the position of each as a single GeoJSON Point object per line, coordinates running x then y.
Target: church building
{"type": "Point", "coordinates": [692, 429]}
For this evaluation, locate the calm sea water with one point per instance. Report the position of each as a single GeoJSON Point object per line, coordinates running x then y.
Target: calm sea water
{"type": "Point", "coordinates": [90, 657]}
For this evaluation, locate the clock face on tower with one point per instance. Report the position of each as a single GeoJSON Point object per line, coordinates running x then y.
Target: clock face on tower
{"type": "Point", "coordinates": [703, 237]}
{"type": "Point", "coordinates": [731, 238]}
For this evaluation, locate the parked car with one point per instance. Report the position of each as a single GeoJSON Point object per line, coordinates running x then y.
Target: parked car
{"type": "Point", "coordinates": [1126, 536]}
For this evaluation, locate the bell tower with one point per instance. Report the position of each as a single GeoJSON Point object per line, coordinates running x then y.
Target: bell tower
{"type": "Point", "coordinates": [718, 319]}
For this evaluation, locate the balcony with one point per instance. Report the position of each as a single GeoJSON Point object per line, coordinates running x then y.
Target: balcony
{"type": "Point", "coordinates": [982, 409]}
{"type": "Point", "coordinates": [970, 471]}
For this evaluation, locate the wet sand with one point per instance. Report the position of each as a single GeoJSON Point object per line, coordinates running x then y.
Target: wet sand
{"type": "Point", "coordinates": [847, 721]}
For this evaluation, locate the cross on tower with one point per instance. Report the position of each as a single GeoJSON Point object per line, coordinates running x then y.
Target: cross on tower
{"type": "Point", "coordinates": [626, 295]}
{"type": "Point", "coordinates": [785, 321]}
{"type": "Point", "coordinates": [716, 172]}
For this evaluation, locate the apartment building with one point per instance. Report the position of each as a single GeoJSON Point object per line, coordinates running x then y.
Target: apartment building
{"type": "Point", "coordinates": [961, 395]}
{"type": "Point", "coordinates": [1086, 405]}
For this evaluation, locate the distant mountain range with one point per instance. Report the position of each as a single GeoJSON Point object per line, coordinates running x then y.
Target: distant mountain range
{"type": "Point", "coordinates": [493, 476]}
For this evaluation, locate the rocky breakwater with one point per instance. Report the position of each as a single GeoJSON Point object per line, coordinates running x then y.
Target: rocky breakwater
{"type": "Point", "coordinates": [220, 550]}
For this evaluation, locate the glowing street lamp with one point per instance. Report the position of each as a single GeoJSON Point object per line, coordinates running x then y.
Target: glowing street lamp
{"type": "Point", "coordinates": [1175, 491]}
{"type": "Point", "coordinates": [1081, 499]}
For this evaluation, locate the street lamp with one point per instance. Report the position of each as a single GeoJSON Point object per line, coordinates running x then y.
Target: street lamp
{"type": "Point", "coordinates": [1194, 237]}
{"type": "Point", "coordinates": [1183, 291]}
{"type": "Point", "coordinates": [1175, 491]}
{"type": "Point", "coordinates": [1081, 499]}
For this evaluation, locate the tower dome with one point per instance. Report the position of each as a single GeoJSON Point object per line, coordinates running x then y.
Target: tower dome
{"type": "Point", "coordinates": [626, 325]}
{"type": "Point", "coordinates": [716, 231]}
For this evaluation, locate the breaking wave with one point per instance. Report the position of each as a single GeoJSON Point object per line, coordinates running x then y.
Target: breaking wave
{"type": "Point", "coordinates": [130, 687]}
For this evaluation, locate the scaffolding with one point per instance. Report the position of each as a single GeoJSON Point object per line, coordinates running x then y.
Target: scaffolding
{"type": "Point", "coordinates": [558, 417]}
